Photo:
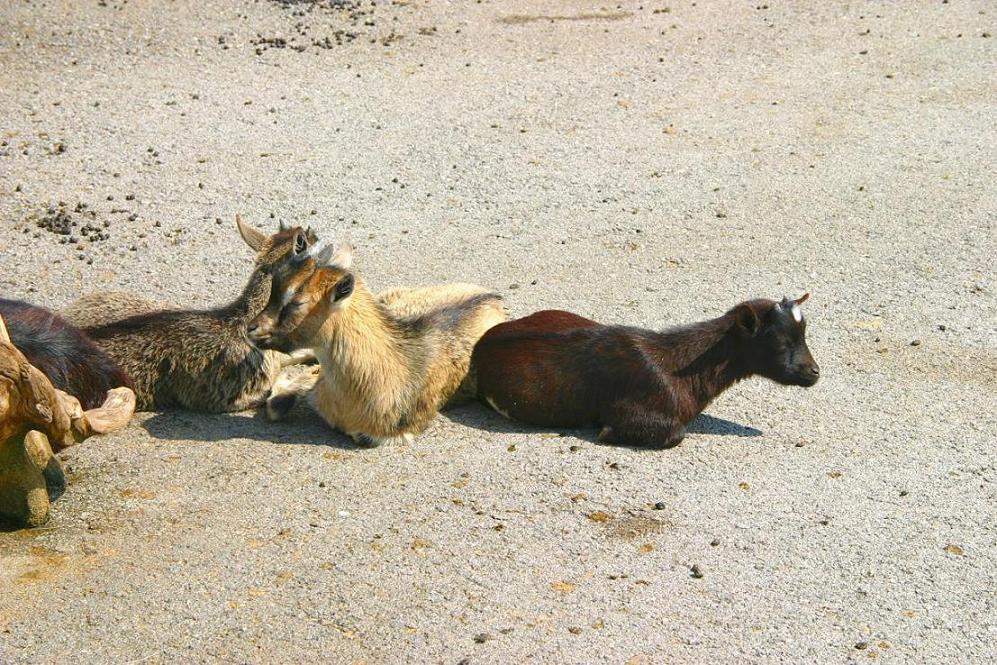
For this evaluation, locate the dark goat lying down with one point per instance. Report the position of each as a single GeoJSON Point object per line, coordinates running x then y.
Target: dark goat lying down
{"type": "Point", "coordinates": [557, 369]}
{"type": "Point", "coordinates": [62, 352]}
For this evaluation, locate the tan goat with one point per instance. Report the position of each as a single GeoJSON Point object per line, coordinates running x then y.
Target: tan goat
{"type": "Point", "coordinates": [387, 367]}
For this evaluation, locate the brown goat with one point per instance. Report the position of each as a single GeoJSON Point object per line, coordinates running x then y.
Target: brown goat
{"type": "Point", "coordinates": [198, 359]}
{"type": "Point", "coordinates": [383, 375]}
{"type": "Point", "coordinates": [557, 369]}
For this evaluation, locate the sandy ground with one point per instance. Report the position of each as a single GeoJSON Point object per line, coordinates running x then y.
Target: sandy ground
{"type": "Point", "coordinates": [649, 164]}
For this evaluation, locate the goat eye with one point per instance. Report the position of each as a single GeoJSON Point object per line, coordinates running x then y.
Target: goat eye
{"type": "Point", "coordinates": [300, 244]}
{"type": "Point", "coordinates": [289, 309]}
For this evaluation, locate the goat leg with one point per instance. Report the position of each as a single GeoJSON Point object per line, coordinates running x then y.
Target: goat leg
{"type": "Point", "coordinates": [287, 389]}
{"type": "Point", "coordinates": [299, 357]}
{"type": "Point", "coordinates": [639, 427]}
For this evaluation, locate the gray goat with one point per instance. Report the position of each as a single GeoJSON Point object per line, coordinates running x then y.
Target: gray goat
{"type": "Point", "coordinates": [196, 359]}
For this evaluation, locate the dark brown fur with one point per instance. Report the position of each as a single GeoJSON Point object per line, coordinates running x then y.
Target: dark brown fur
{"type": "Point", "coordinates": [70, 360]}
{"type": "Point", "coordinates": [557, 369]}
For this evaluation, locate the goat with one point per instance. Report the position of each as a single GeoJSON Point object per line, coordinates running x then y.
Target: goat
{"type": "Point", "coordinates": [201, 359]}
{"type": "Point", "coordinates": [67, 357]}
{"type": "Point", "coordinates": [384, 374]}
{"type": "Point", "coordinates": [557, 369]}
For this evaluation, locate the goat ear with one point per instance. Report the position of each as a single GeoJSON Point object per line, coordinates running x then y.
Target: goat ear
{"type": "Point", "coordinates": [746, 320]}
{"type": "Point", "coordinates": [802, 299]}
{"type": "Point", "coordinates": [4, 335]}
{"type": "Point", "coordinates": [253, 238]}
{"type": "Point", "coordinates": [344, 287]}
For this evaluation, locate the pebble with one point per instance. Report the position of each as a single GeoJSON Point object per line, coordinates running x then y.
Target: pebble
{"type": "Point", "coordinates": [660, 505]}
{"type": "Point", "coordinates": [861, 645]}
{"type": "Point", "coordinates": [915, 342]}
{"type": "Point", "coordinates": [714, 542]}
{"type": "Point", "coordinates": [481, 638]}
{"type": "Point", "coordinates": [696, 571]}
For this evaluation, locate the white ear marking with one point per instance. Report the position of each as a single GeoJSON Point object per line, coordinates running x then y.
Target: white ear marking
{"type": "Point", "coordinates": [797, 314]}
{"type": "Point", "coordinates": [343, 258]}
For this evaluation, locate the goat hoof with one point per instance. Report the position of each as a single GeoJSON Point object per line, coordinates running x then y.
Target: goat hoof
{"type": "Point", "coordinates": [366, 440]}
{"type": "Point", "coordinates": [279, 406]}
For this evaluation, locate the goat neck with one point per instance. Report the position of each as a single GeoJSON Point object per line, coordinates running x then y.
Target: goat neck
{"type": "Point", "coordinates": [251, 301]}
{"type": "Point", "coordinates": [363, 338]}
{"type": "Point", "coordinates": [704, 356]}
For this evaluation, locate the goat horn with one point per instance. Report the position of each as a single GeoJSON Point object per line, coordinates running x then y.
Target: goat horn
{"type": "Point", "coordinates": [282, 225]}
{"type": "Point", "coordinates": [802, 299]}
{"type": "Point", "coordinates": [4, 335]}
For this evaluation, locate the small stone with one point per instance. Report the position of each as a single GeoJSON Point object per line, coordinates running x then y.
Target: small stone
{"type": "Point", "coordinates": [696, 571]}
{"type": "Point", "coordinates": [714, 542]}
{"type": "Point", "coordinates": [660, 505]}
{"type": "Point", "coordinates": [915, 342]}
{"type": "Point", "coordinates": [481, 638]}
{"type": "Point", "coordinates": [861, 645]}
{"type": "Point", "coordinates": [575, 630]}
{"type": "Point", "coordinates": [904, 492]}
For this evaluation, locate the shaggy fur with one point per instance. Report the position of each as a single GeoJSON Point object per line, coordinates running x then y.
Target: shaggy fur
{"type": "Point", "coordinates": [202, 359]}
{"type": "Point", "coordinates": [97, 309]}
{"type": "Point", "coordinates": [384, 373]}
{"type": "Point", "coordinates": [557, 369]}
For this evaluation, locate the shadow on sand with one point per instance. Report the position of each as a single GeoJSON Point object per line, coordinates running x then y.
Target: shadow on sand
{"type": "Point", "coordinates": [480, 417]}
{"type": "Point", "coordinates": [303, 427]}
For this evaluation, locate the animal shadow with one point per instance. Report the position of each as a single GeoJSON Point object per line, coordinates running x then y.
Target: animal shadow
{"type": "Point", "coordinates": [302, 427]}
{"type": "Point", "coordinates": [480, 417]}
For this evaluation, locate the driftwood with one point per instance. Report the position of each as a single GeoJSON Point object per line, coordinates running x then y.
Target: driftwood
{"type": "Point", "coordinates": [35, 420]}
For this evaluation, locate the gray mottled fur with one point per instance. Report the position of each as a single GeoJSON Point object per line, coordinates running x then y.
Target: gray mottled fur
{"type": "Point", "coordinates": [200, 360]}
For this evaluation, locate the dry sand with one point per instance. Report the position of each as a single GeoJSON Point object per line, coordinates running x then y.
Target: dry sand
{"type": "Point", "coordinates": [649, 164]}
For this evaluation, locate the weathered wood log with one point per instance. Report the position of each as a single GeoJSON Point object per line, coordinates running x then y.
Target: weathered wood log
{"type": "Point", "coordinates": [35, 418]}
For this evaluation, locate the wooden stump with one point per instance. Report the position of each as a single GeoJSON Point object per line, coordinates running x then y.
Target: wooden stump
{"type": "Point", "coordinates": [35, 418]}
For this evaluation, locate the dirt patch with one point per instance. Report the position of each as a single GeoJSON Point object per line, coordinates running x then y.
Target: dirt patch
{"type": "Point", "coordinates": [523, 19]}
{"type": "Point", "coordinates": [636, 526]}
{"type": "Point", "coordinates": [936, 360]}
